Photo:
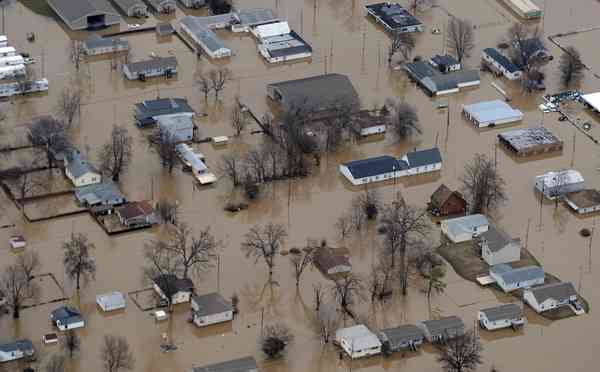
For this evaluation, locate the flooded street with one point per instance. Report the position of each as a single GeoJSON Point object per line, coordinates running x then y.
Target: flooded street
{"type": "Point", "coordinates": [346, 42]}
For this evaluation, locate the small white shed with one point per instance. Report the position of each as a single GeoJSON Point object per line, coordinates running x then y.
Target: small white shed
{"type": "Point", "coordinates": [111, 301]}
{"type": "Point", "coordinates": [358, 341]}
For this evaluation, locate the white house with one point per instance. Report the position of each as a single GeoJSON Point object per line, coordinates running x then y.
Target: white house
{"type": "Point", "coordinates": [497, 247]}
{"type": "Point", "coordinates": [423, 161]}
{"type": "Point", "coordinates": [210, 309]}
{"type": "Point", "coordinates": [500, 64]}
{"type": "Point", "coordinates": [555, 184]}
{"type": "Point", "coordinates": [463, 229]}
{"type": "Point", "coordinates": [16, 350]}
{"type": "Point", "coordinates": [10, 72]}
{"type": "Point", "coordinates": [3, 41]}
{"type": "Point", "coordinates": [111, 301]}
{"type": "Point", "coordinates": [358, 341]}
{"type": "Point", "coordinates": [180, 289]}
{"type": "Point", "coordinates": [584, 201]}
{"type": "Point", "coordinates": [501, 316]}
{"type": "Point", "coordinates": [158, 66]}
{"type": "Point", "coordinates": [79, 171]}
{"type": "Point", "coordinates": [278, 43]}
{"type": "Point", "coordinates": [179, 127]}
{"type": "Point", "coordinates": [550, 296]}
{"type": "Point", "coordinates": [66, 318]}
{"type": "Point", "coordinates": [201, 31]}
{"type": "Point", "coordinates": [8, 51]}
{"type": "Point", "coordinates": [510, 279]}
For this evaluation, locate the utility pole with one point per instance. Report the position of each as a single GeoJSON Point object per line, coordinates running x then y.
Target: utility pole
{"type": "Point", "coordinates": [527, 234]}
{"type": "Point", "coordinates": [218, 273]}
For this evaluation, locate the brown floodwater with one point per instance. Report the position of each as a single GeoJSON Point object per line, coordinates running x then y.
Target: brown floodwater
{"type": "Point", "coordinates": [344, 41]}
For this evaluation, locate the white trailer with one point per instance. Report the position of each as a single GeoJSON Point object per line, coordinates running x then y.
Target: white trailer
{"type": "Point", "coordinates": [3, 41]}
{"type": "Point", "coordinates": [9, 72]}
{"type": "Point", "coordinates": [12, 61]}
{"type": "Point", "coordinates": [32, 86]}
{"type": "Point", "coordinates": [7, 51]}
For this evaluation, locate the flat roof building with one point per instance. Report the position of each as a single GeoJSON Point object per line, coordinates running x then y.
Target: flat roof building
{"type": "Point", "coordinates": [491, 113]}
{"type": "Point", "coordinates": [96, 44]}
{"type": "Point", "coordinates": [246, 19]}
{"type": "Point", "coordinates": [436, 83]}
{"type": "Point", "coordinates": [524, 8]}
{"type": "Point", "coordinates": [584, 201]}
{"type": "Point", "coordinates": [592, 101]}
{"type": "Point", "coordinates": [133, 8]}
{"type": "Point", "coordinates": [465, 228]}
{"type": "Point", "coordinates": [83, 14]}
{"type": "Point", "coordinates": [278, 43]}
{"type": "Point", "coordinates": [394, 18]}
{"type": "Point", "coordinates": [530, 141]}
{"type": "Point", "coordinates": [555, 184]}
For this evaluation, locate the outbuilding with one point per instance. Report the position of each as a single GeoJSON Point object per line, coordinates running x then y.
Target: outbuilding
{"type": "Point", "coordinates": [501, 316]}
{"type": "Point", "coordinates": [66, 318]}
{"type": "Point", "coordinates": [445, 202]}
{"type": "Point", "coordinates": [510, 279]}
{"type": "Point", "coordinates": [550, 296]}
{"type": "Point", "coordinates": [358, 341]}
{"type": "Point", "coordinates": [555, 184]}
{"type": "Point", "coordinates": [491, 113]}
{"type": "Point", "coordinates": [497, 247]}
{"type": "Point", "coordinates": [111, 301]}
{"type": "Point", "coordinates": [406, 336]}
{"type": "Point", "coordinates": [16, 350]}
{"type": "Point", "coordinates": [439, 330]}
{"type": "Point", "coordinates": [463, 229]}
{"type": "Point", "coordinates": [83, 14]}
{"type": "Point", "coordinates": [584, 201]}
{"type": "Point", "coordinates": [210, 309]}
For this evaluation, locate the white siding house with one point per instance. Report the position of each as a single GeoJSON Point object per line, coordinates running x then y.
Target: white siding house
{"type": "Point", "coordinates": [210, 309]}
{"type": "Point", "coordinates": [502, 316]}
{"type": "Point", "coordinates": [181, 289]}
{"type": "Point", "coordinates": [66, 318]}
{"type": "Point", "coordinates": [79, 171]}
{"type": "Point", "coordinates": [463, 229]}
{"type": "Point", "coordinates": [501, 64]}
{"type": "Point", "coordinates": [550, 296]}
{"type": "Point", "coordinates": [510, 279]}
{"type": "Point", "coordinates": [358, 341]}
{"type": "Point", "coordinates": [584, 201]}
{"type": "Point", "coordinates": [497, 247]}
{"type": "Point", "coordinates": [16, 350]}
{"type": "Point", "coordinates": [555, 184]}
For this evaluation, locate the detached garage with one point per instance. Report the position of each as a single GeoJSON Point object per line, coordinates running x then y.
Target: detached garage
{"type": "Point", "coordinates": [85, 14]}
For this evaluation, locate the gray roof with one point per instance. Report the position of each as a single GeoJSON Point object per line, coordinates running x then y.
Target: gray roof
{"type": "Point", "coordinates": [434, 81]}
{"type": "Point", "coordinates": [526, 138]}
{"type": "Point", "coordinates": [521, 274]}
{"type": "Point", "coordinates": [501, 312]}
{"type": "Point", "coordinates": [501, 59]}
{"type": "Point", "coordinates": [496, 238]}
{"type": "Point", "coordinates": [145, 111]}
{"type": "Point", "coordinates": [393, 15]}
{"type": "Point", "coordinates": [465, 224]}
{"type": "Point", "coordinates": [440, 326]}
{"type": "Point", "coordinates": [152, 64]}
{"type": "Point", "coordinates": [112, 299]}
{"type": "Point", "coordinates": [201, 31]}
{"type": "Point", "coordinates": [403, 333]}
{"type": "Point", "coordinates": [286, 45]}
{"type": "Point", "coordinates": [492, 111]}
{"type": "Point", "coordinates": [96, 41]}
{"type": "Point", "coordinates": [424, 157]}
{"type": "Point", "coordinates": [317, 92]}
{"type": "Point", "coordinates": [255, 16]}
{"type": "Point", "coordinates": [22, 345]}
{"type": "Point", "coordinates": [560, 291]}
{"type": "Point", "coordinates": [77, 164]}
{"type": "Point", "coordinates": [584, 199]}
{"type": "Point", "coordinates": [374, 166]}
{"type": "Point", "coordinates": [211, 304]}
{"type": "Point", "coordinates": [247, 364]}
{"type": "Point", "coordinates": [128, 4]}
{"type": "Point", "coordinates": [105, 192]}
{"type": "Point", "coordinates": [444, 60]}
{"type": "Point", "coordinates": [73, 10]}
{"type": "Point", "coordinates": [66, 315]}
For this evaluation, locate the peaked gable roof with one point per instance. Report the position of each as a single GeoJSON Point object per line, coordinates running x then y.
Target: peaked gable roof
{"type": "Point", "coordinates": [560, 291]}
{"type": "Point", "coordinates": [73, 10]}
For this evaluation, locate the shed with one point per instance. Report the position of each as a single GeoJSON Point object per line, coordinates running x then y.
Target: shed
{"type": "Point", "coordinates": [149, 68]}
{"type": "Point", "coordinates": [332, 261]}
{"type": "Point", "coordinates": [246, 364]}
{"type": "Point", "coordinates": [111, 301]}
{"type": "Point", "coordinates": [210, 309]}
{"type": "Point", "coordinates": [510, 279]}
{"type": "Point", "coordinates": [82, 14]}
{"type": "Point", "coordinates": [66, 318]}
{"type": "Point", "coordinates": [497, 247]}
{"type": "Point", "coordinates": [530, 141]}
{"type": "Point", "coordinates": [358, 341]}
{"type": "Point", "coordinates": [550, 296]}
{"type": "Point", "coordinates": [16, 350]}
{"type": "Point", "coordinates": [555, 184]}
{"type": "Point", "coordinates": [445, 202]}
{"type": "Point", "coordinates": [445, 328]}
{"type": "Point", "coordinates": [463, 229]}
{"type": "Point", "coordinates": [584, 201]}
{"type": "Point", "coordinates": [501, 316]}
{"type": "Point", "coordinates": [133, 8]}
{"type": "Point", "coordinates": [491, 113]}
{"type": "Point", "coordinates": [407, 336]}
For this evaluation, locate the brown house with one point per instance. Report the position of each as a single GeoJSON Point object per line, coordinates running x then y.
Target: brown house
{"type": "Point", "coordinates": [445, 202]}
{"type": "Point", "coordinates": [332, 261]}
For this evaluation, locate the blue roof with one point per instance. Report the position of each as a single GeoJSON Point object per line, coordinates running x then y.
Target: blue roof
{"type": "Point", "coordinates": [501, 59]}
{"type": "Point", "coordinates": [23, 345]}
{"type": "Point", "coordinates": [522, 274]}
{"type": "Point", "coordinates": [66, 314]}
{"type": "Point", "coordinates": [374, 166]}
{"type": "Point", "coordinates": [424, 157]}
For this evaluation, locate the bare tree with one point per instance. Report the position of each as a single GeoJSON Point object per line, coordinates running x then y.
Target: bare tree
{"type": "Point", "coordinates": [357, 215]}
{"type": "Point", "coordinates": [318, 293]}
{"type": "Point", "coordinates": [77, 52]}
{"type": "Point", "coordinates": [435, 282]}
{"type": "Point", "coordinates": [347, 291]}
{"type": "Point", "coordinates": [115, 354]}
{"type": "Point", "coordinates": [28, 262]}
{"type": "Point", "coordinates": [461, 38]}
{"type": "Point", "coordinates": [238, 118]}
{"type": "Point", "coordinates": [570, 66]}
{"type": "Point", "coordinates": [230, 165]}
{"type": "Point", "coordinates": [275, 338]}
{"type": "Point", "coordinates": [302, 259]}
{"type": "Point", "coordinates": [460, 354]}
{"type": "Point", "coordinates": [417, 6]}
{"type": "Point", "coordinates": [204, 85]}
{"type": "Point", "coordinates": [69, 104]}
{"type": "Point", "coordinates": [343, 225]}
{"type": "Point", "coordinates": [71, 343]}
{"type": "Point", "coordinates": [264, 242]}
{"type": "Point", "coordinates": [168, 211]}
{"type": "Point", "coordinates": [17, 288]}
{"type": "Point", "coordinates": [161, 269]}
{"type": "Point", "coordinates": [218, 79]}
{"type": "Point", "coordinates": [115, 155]}
{"type": "Point", "coordinates": [26, 182]}
{"type": "Point", "coordinates": [379, 280]}
{"type": "Point", "coordinates": [370, 202]}
{"type": "Point", "coordinates": [404, 121]}
{"type": "Point", "coordinates": [483, 185]}
{"type": "Point", "coordinates": [526, 49]}
{"type": "Point", "coordinates": [56, 363]}
{"type": "Point", "coordinates": [403, 43]}
{"type": "Point", "coordinates": [326, 322]}
{"type": "Point", "coordinates": [49, 133]}
{"type": "Point", "coordinates": [164, 144]}
{"type": "Point", "coordinates": [78, 261]}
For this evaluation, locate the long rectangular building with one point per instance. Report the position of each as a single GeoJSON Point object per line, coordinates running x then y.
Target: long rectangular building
{"type": "Point", "coordinates": [394, 18]}
{"type": "Point", "coordinates": [133, 8]}
{"type": "Point", "coordinates": [83, 14]}
{"type": "Point", "coordinates": [524, 8]}
{"type": "Point", "coordinates": [200, 31]}
{"type": "Point", "coordinates": [491, 113]}
{"type": "Point", "coordinates": [530, 141]}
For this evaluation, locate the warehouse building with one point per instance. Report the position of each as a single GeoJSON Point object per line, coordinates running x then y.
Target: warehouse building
{"type": "Point", "coordinates": [84, 14]}
{"type": "Point", "coordinates": [491, 113]}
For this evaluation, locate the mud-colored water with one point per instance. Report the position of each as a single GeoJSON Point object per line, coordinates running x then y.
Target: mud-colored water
{"type": "Point", "coordinates": [336, 29]}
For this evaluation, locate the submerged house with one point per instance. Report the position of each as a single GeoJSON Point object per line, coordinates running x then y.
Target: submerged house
{"type": "Point", "coordinates": [406, 336]}
{"type": "Point", "coordinates": [584, 201]}
{"type": "Point", "coordinates": [394, 18]}
{"type": "Point", "coordinates": [247, 19]}
{"type": "Point", "coordinates": [83, 14]}
{"type": "Point", "coordinates": [138, 213]}
{"type": "Point", "coordinates": [133, 8]}
{"type": "Point", "coordinates": [111, 301]}
{"type": "Point", "coordinates": [179, 128]}
{"type": "Point", "coordinates": [442, 329]}
{"type": "Point", "coordinates": [181, 289]}
{"type": "Point", "coordinates": [16, 350]}
{"type": "Point", "coordinates": [163, 6]}
{"type": "Point", "coordinates": [79, 171]}
{"type": "Point", "coordinates": [501, 316]}
{"type": "Point", "coordinates": [147, 113]}
{"type": "Point", "coordinates": [436, 83]}
{"type": "Point", "coordinates": [160, 66]}
{"type": "Point", "coordinates": [463, 229]}
{"type": "Point", "coordinates": [366, 124]}
{"type": "Point", "coordinates": [105, 194]}
{"type": "Point", "coordinates": [201, 32]}
{"type": "Point", "coordinates": [555, 184]}
{"type": "Point", "coordinates": [497, 247]}
{"type": "Point", "coordinates": [332, 261]}
{"type": "Point", "coordinates": [500, 64]}
{"type": "Point", "coordinates": [510, 279]}
{"type": "Point", "coordinates": [358, 341]}
{"type": "Point", "coordinates": [66, 318]}
{"type": "Point", "coordinates": [96, 45]}
{"type": "Point", "coordinates": [210, 309]}
{"type": "Point", "coordinates": [550, 296]}
{"type": "Point", "coordinates": [445, 202]}
{"type": "Point", "coordinates": [530, 141]}
{"type": "Point", "coordinates": [246, 364]}
{"type": "Point", "coordinates": [278, 43]}
{"type": "Point", "coordinates": [445, 63]}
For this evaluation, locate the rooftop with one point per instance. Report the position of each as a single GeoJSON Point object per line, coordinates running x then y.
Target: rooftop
{"type": "Point", "coordinates": [592, 99]}
{"type": "Point", "coordinates": [423, 157]}
{"type": "Point", "coordinates": [438, 326]}
{"type": "Point", "coordinates": [77, 165]}
{"type": "Point", "coordinates": [492, 111]}
{"type": "Point", "coordinates": [393, 15]}
{"type": "Point", "coordinates": [66, 314]}
{"type": "Point", "coordinates": [254, 16]}
{"type": "Point", "coordinates": [501, 59]}
{"type": "Point", "coordinates": [175, 283]}
{"type": "Point", "coordinates": [523, 139]}
{"type": "Point", "coordinates": [444, 60]}
{"type": "Point", "coordinates": [211, 304]}
{"type": "Point", "coordinates": [466, 224]}
{"type": "Point", "coordinates": [135, 210]}
{"type": "Point", "coordinates": [441, 195]}
{"type": "Point", "coordinates": [163, 106]}
{"type": "Point", "coordinates": [97, 41]}
{"type": "Point", "coordinates": [584, 198]}
{"type": "Point", "coordinates": [496, 238]}
{"type": "Point", "coordinates": [374, 166]}
{"type": "Point", "coordinates": [72, 11]}
{"type": "Point", "coordinates": [200, 28]}
{"type": "Point", "coordinates": [559, 291]}
{"type": "Point", "coordinates": [559, 178]}
{"type": "Point", "coordinates": [327, 258]}
{"type": "Point", "coordinates": [522, 274]}
{"type": "Point", "coordinates": [105, 192]}
{"type": "Point", "coordinates": [112, 299]}
{"type": "Point", "coordinates": [501, 312]}
{"type": "Point", "coordinates": [286, 45]}
{"type": "Point", "coordinates": [22, 345]}
{"type": "Point", "coordinates": [435, 81]}
{"type": "Point", "coordinates": [152, 64]}
{"type": "Point", "coordinates": [359, 336]}
{"type": "Point", "coordinates": [402, 333]}
{"type": "Point", "coordinates": [247, 364]}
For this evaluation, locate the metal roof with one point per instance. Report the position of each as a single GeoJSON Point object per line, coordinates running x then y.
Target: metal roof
{"type": "Point", "coordinates": [501, 312]}
{"type": "Point", "coordinates": [560, 178]}
{"type": "Point", "coordinates": [211, 304]}
{"type": "Point", "coordinates": [112, 300]}
{"type": "Point", "coordinates": [200, 29]}
{"type": "Point", "coordinates": [525, 138]}
{"type": "Point", "coordinates": [374, 166]}
{"type": "Point", "coordinates": [584, 199]}
{"type": "Point", "coordinates": [501, 59]}
{"type": "Point", "coordinates": [560, 291]}
{"type": "Point", "coordinates": [393, 15]}
{"type": "Point", "coordinates": [286, 45]}
{"type": "Point", "coordinates": [96, 41]}
{"type": "Point", "coordinates": [77, 165]}
{"type": "Point", "coordinates": [359, 336]}
{"type": "Point", "coordinates": [125, 5]}
{"type": "Point", "coordinates": [492, 111]}
{"type": "Point", "coordinates": [163, 106]}
{"type": "Point", "coordinates": [445, 59]}
{"type": "Point", "coordinates": [73, 10]}
{"type": "Point", "coordinates": [496, 238]}
{"type": "Point", "coordinates": [424, 157]}
{"type": "Point", "coordinates": [105, 192]}
{"type": "Point", "coordinates": [251, 17]}
{"type": "Point", "coordinates": [66, 314]}
{"type": "Point", "coordinates": [152, 64]}
{"type": "Point", "coordinates": [273, 29]}
{"type": "Point", "coordinates": [403, 333]}
{"type": "Point", "coordinates": [522, 274]}
{"type": "Point", "coordinates": [247, 364]}
{"type": "Point", "coordinates": [190, 157]}
{"type": "Point", "coordinates": [462, 225]}
{"type": "Point", "coordinates": [592, 99]}
{"type": "Point", "coordinates": [442, 325]}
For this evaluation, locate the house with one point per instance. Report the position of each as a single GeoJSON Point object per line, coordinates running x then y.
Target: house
{"type": "Point", "coordinates": [138, 213]}
{"type": "Point", "coordinates": [555, 184]}
{"type": "Point", "coordinates": [247, 19]}
{"type": "Point", "coordinates": [332, 261]}
{"type": "Point", "coordinates": [194, 4]}
{"type": "Point", "coordinates": [163, 6]}
{"type": "Point", "coordinates": [247, 364]}
{"type": "Point", "coordinates": [510, 279]}
{"type": "Point", "coordinates": [200, 31]}
{"type": "Point", "coordinates": [146, 113]}
{"type": "Point", "coordinates": [195, 162]}
{"type": "Point", "coordinates": [180, 128]}
{"type": "Point", "coordinates": [550, 296]}
{"type": "Point", "coordinates": [500, 64]}
{"type": "Point", "coordinates": [491, 113]}
{"type": "Point", "coordinates": [497, 247]}
{"type": "Point", "coordinates": [159, 66]}
{"type": "Point", "coordinates": [524, 8]}
{"type": "Point", "coordinates": [592, 101]}
{"type": "Point", "coordinates": [406, 336]}
{"type": "Point", "coordinates": [436, 83]}
{"type": "Point", "coordinates": [445, 328]}
{"type": "Point", "coordinates": [105, 194]}
{"type": "Point", "coordinates": [96, 45]}
{"type": "Point", "coordinates": [530, 141]}
{"type": "Point", "coordinates": [534, 48]}
{"type": "Point", "coordinates": [181, 289]}
{"type": "Point", "coordinates": [16, 350]}
{"type": "Point", "coordinates": [394, 18]}
{"type": "Point", "coordinates": [83, 14]}
{"type": "Point", "coordinates": [380, 168]}
{"type": "Point", "coordinates": [423, 161]}
{"type": "Point", "coordinates": [3, 41]}
{"type": "Point", "coordinates": [501, 316]}
{"type": "Point", "coordinates": [66, 318]}
{"type": "Point", "coordinates": [12, 60]}
{"type": "Point", "coordinates": [358, 341]}
{"type": "Point", "coordinates": [111, 301]}
{"type": "Point", "coordinates": [463, 229]}
{"type": "Point", "coordinates": [133, 8]}
{"type": "Point", "coordinates": [365, 124]}
{"type": "Point", "coordinates": [584, 201]}
{"type": "Point", "coordinates": [445, 202]}
{"type": "Point", "coordinates": [210, 309]}
{"type": "Point", "coordinates": [445, 63]}
{"type": "Point", "coordinates": [316, 93]}
{"type": "Point", "coordinates": [79, 171]}
{"type": "Point", "coordinates": [278, 43]}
